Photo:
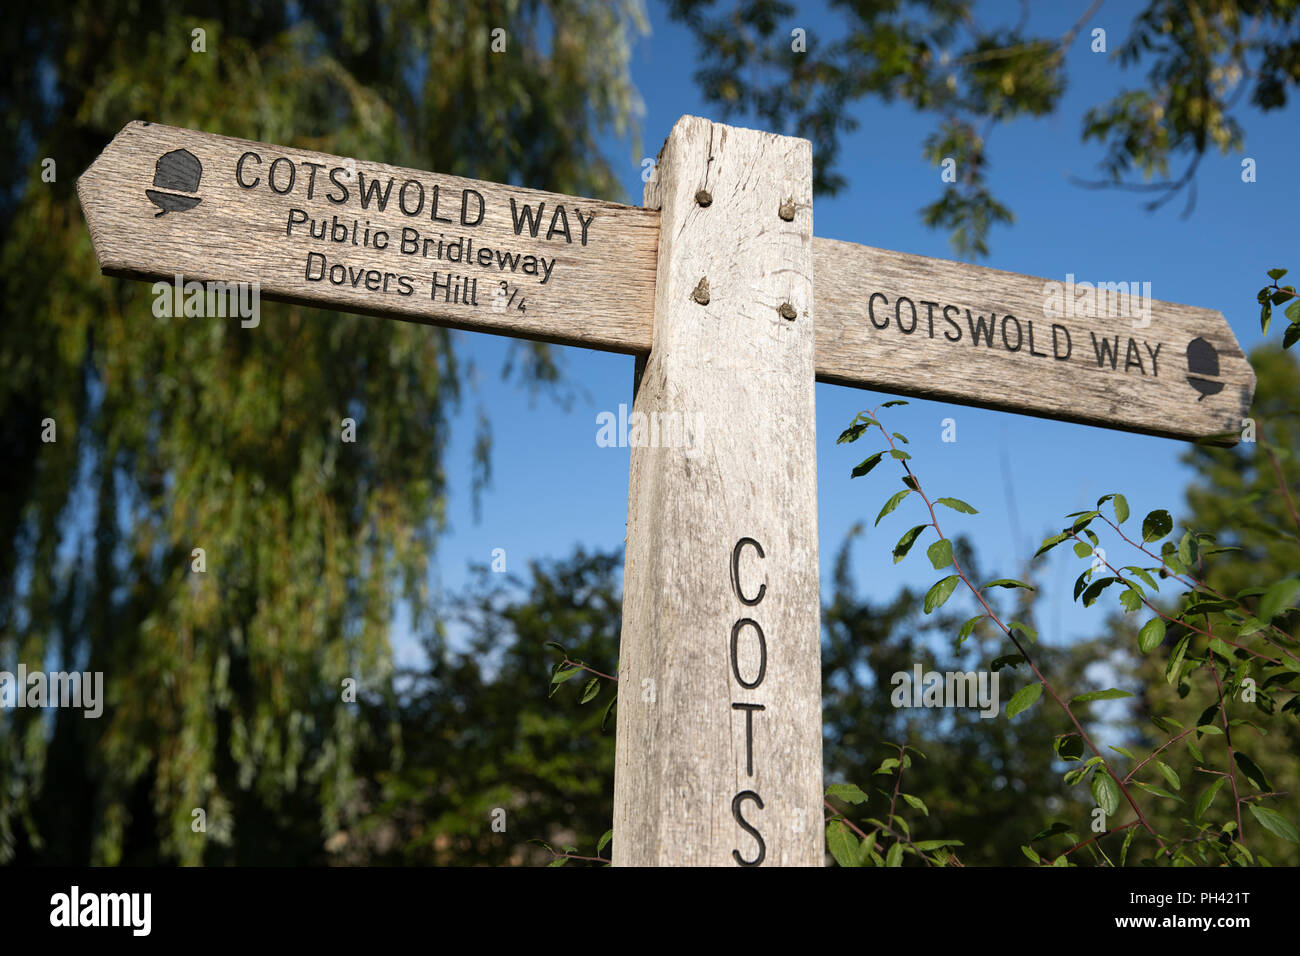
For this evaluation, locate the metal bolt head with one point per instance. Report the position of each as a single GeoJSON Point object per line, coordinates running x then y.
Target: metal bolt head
{"type": "Point", "coordinates": [704, 198]}
{"type": "Point", "coordinates": [701, 293]}
{"type": "Point", "coordinates": [787, 311]}
{"type": "Point", "coordinates": [786, 211]}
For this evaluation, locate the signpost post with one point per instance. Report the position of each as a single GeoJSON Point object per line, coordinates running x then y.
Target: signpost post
{"type": "Point", "coordinates": [714, 287]}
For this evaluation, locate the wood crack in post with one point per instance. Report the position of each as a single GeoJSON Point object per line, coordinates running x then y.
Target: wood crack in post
{"type": "Point", "coordinates": [685, 790]}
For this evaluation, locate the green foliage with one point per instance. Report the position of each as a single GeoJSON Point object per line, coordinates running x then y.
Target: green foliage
{"type": "Point", "coordinates": [1228, 672]}
{"type": "Point", "coordinates": [981, 777]}
{"type": "Point", "coordinates": [175, 434]}
{"type": "Point", "coordinates": [941, 57]}
{"type": "Point", "coordinates": [1023, 699]}
{"type": "Point", "coordinates": [853, 845]}
{"type": "Point", "coordinates": [848, 792]}
{"type": "Point", "coordinates": [940, 554]}
{"type": "Point", "coordinates": [1273, 295]}
{"type": "Point", "coordinates": [483, 726]}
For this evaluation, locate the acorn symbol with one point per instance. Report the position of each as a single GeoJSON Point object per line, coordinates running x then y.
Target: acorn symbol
{"type": "Point", "coordinates": [1203, 359]}
{"type": "Point", "coordinates": [179, 170]}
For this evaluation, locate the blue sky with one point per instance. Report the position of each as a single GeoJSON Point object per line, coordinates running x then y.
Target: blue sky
{"type": "Point", "coordinates": [553, 488]}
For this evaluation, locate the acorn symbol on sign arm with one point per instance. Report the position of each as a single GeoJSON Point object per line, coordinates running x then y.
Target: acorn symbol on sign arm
{"type": "Point", "coordinates": [1203, 360]}
{"type": "Point", "coordinates": [179, 170]}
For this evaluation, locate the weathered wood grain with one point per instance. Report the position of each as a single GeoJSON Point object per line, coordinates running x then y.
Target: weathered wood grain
{"type": "Point", "coordinates": [690, 765]}
{"type": "Point", "coordinates": [866, 336]}
{"type": "Point", "coordinates": [598, 292]}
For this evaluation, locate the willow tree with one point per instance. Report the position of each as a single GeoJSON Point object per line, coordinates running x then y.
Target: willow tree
{"type": "Point", "coordinates": [225, 686]}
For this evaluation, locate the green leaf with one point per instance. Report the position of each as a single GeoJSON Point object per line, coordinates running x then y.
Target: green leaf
{"type": "Point", "coordinates": [906, 541]}
{"type": "Point", "coordinates": [928, 845]}
{"type": "Point", "coordinates": [1158, 791]}
{"type": "Point", "coordinates": [1292, 334]}
{"type": "Point", "coordinates": [901, 437]}
{"type": "Point", "coordinates": [1023, 699]}
{"type": "Point", "coordinates": [916, 803]}
{"type": "Point", "coordinates": [1278, 598]}
{"type": "Point", "coordinates": [1029, 852]}
{"type": "Point", "coordinates": [1068, 746]}
{"type": "Point", "coordinates": [1252, 772]}
{"type": "Point", "coordinates": [1146, 577]}
{"type": "Point", "coordinates": [1093, 590]}
{"type": "Point", "coordinates": [1082, 549]}
{"type": "Point", "coordinates": [1208, 607]}
{"type": "Point", "coordinates": [609, 708]}
{"type": "Point", "coordinates": [1175, 665]}
{"type": "Point", "coordinates": [1208, 715]}
{"type": "Point", "coordinates": [940, 592]}
{"type": "Point", "coordinates": [564, 673]}
{"type": "Point", "coordinates": [1007, 660]}
{"type": "Point", "coordinates": [898, 401]}
{"type": "Point", "coordinates": [899, 454]}
{"type": "Point", "coordinates": [1112, 693]}
{"type": "Point", "coordinates": [1130, 599]}
{"type": "Point", "coordinates": [1121, 509]}
{"type": "Point", "coordinates": [591, 690]}
{"type": "Point", "coordinates": [1219, 647]}
{"type": "Point", "coordinates": [848, 792]}
{"type": "Point", "coordinates": [1123, 750]}
{"type": "Point", "coordinates": [1166, 724]}
{"type": "Point", "coordinates": [1123, 851]}
{"type": "Point", "coordinates": [1007, 583]}
{"type": "Point", "coordinates": [1169, 553]}
{"type": "Point", "coordinates": [1057, 827]}
{"type": "Point", "coordinates": [1170, 775]}
{"type": "Point", "coordinates": [854, 431]}
{"type": "Point", "coordinates": [1152, 635]}
{"type": "Point", "coordinates": [940, 554]}
{"type": "Point", "coordinates": [895, 855]}
{"type": "Point", "coordinates": [865, 466]}
{"type": "Point", "coordinates": [1250, 626]}
{"type": "Point", "coordinates": [1024, 629]}
{"type": "Point", "coordinates": [604, 841]}
{"type": "Point", "coordinates": [1050, 542]}
{"type": "Point", "coordinates": [1083, 520]}
{"type": "Point", "coordinates": [893, 503]}
{"type": "Point", "coordinates": [1207, 798]}
{"type": "Point", "coordinates": [1276, 274]}
{"type": "Point", "coordinates": [1156, 525]}
{"type": "Point", "coordinates": [1105, 791]}
{"type": "Point", "coordinates": [560, 862]}
{"type": "Point", "coordinates": [558, 647]}
{"type": "Point", "coordinates": [956, 504]}
{"type": "Point", "coordinates": [968, 628]}
{"type": "Point", "coordinates": [1275, 823]}
{"type": "Point", "coordinates": [844, 846]}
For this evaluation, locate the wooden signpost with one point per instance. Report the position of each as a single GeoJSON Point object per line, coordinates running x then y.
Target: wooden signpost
{"type": "Point", "coordinates": [714, 286]}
